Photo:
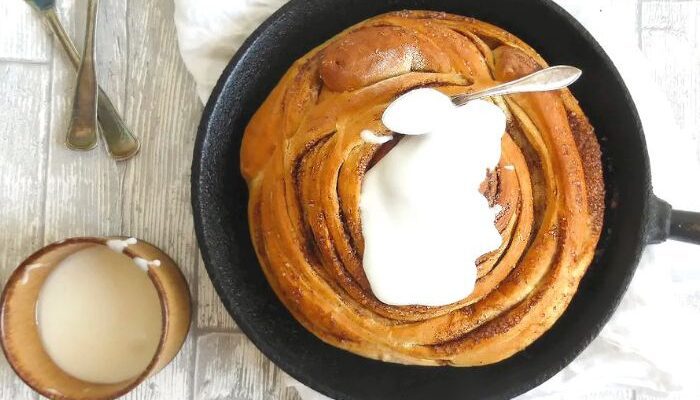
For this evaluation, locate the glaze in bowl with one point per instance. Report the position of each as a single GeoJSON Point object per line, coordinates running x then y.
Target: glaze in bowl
{"type": "Point", "coordinates": [19, 333]}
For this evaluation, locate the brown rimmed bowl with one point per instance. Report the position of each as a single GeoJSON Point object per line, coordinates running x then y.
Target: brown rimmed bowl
{"type": "Point", "coordinates": [19, 333]}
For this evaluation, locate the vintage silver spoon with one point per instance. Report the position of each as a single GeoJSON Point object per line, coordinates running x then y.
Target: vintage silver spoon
{"type": "Point", "coordinates": [120, 141]}
{"type": "Point", "coordinates": [551, 78]}
{"type": "Point", "coordinates": [420, 119]}
{"type": "Point", "coordinates": [82, 129]}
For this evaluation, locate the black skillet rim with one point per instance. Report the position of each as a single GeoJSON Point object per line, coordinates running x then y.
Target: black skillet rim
{"type": "Point", "coordinates": [201, 197]}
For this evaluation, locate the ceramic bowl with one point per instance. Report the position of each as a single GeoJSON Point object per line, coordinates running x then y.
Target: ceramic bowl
{"type": "Point", "coordinates": [19, 333]}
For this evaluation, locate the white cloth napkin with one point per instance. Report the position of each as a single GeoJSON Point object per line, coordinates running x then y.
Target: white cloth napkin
{"type": "Point", "coordinates": [651, 343]}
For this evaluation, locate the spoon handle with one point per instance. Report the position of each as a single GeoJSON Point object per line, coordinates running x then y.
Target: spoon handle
{"type": "Point", "coordinates": [82, 131]}
{"type": "Point", "coordinates": [551, 78]}
{"type": "Point", "coordinates": [120, 141]}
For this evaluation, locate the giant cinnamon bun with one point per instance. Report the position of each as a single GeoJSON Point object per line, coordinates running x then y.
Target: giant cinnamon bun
{"type": "Point", "coordinates": [304, 161]}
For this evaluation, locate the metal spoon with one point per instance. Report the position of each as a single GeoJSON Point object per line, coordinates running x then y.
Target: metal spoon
{"type": "Point", "coordinates": [121, 143]}
{"type": "Point", "coordinates": [551, 78]}
{"type": "Point", "coordinates": [82, 131]}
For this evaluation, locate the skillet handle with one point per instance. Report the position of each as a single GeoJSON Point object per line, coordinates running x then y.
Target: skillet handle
{"type": "Point", "coordinates": [667, 223]}
{"type": "Point", "coordinates": [685, 226]}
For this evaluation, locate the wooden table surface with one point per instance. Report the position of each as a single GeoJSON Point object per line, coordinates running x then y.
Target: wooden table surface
{"type": "Point", "coordinates": [48, 193]}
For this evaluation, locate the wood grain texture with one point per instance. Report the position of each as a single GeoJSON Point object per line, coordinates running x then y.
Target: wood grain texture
{"type": "Point", "coordinates": [161, 108]}
{"type": "Point", "coordinates": [211, 313]}
{"type": "Point", "coordinates": [22, 36]}
{"type": "Point", "coordinates": [24, 92]}
{"type": "Point", "coordinates": [83, 188]}
{"type": "Point", "coordinates": [616, 394]}
{"type": "Point", "coordinates": [648, 396]}
{"type": "Point", "coordinates": [671, 41]}
{"type": "Point", "coordinates": [24, 97]}
{"type": "Point", "coordinates": [625, 13]}
{"type": "Point", "coordinates": [609, 394]}
{"type": "Point", "coordinates": [229, 367]}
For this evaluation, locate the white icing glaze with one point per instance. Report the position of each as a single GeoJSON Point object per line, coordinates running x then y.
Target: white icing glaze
{"type": "Point", "coordinates": [423, 219]}
{"type": "Point", "coordinates": [99, 316]}
{"type": "Point", "coordinates": [417, 112]}
{"type": "Point", "coordinates": [372, 138]}
{"type": "Point", "coordinates": [144, 264]}
{"type": "Point", "coordinates": [119, 245]}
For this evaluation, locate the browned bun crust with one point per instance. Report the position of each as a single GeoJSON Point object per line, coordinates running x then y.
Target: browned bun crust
{"type": "Point", "coordinates": [304, 162]}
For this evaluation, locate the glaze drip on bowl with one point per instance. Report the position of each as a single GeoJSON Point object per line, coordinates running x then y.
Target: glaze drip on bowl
{"type": "Point", "coordinates": [304, 160]}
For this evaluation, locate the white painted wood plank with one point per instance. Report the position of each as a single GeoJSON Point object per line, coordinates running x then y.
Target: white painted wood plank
{"type": "Point", "coordinates": [594, 394]}
{"type": "Point", "coordinates": [599, 13]}
{"type": "Point", "coordinates": [112, 58]}
{"type": "Point", "coordinates": [211, 313]}
{"type": "Point", "coordinates": [671, 41]}
{"type": "Point", "coordinates": [24, 101]}
{"type": "Point", "coordinates": [163, 110]}
{"type": "Point", "coordinates": [230, 367]}
{"type": "Point", "coordinates": [610, 394]}
{"type": "Point", "coordinates": [84, 188]}
{"type": "Point", "coordinates": [22, 36]}
{"type": "Point", "coordinates": [651, 396]}
{"type": "Point", "coordinates": [174, 382]}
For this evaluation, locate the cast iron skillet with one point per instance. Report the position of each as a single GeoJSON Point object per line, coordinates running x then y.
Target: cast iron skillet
{"type": "Point", "coordinates": [633, 219]}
